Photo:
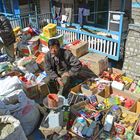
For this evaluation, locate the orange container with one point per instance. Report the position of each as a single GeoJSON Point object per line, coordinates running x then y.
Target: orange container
{"type": "Point", "coordinates": [52, 100]}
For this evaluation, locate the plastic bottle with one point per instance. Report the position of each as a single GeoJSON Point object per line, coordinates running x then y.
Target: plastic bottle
{"type": "Point", "coordinates": [109, 121]}
{"type": "Point", "coordinates": [116, 112]}
{"type": "Point", "coordinates": [91, 129]}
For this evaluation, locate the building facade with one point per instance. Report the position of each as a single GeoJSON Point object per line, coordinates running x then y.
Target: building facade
{"type": "Point", "coordinates": [18, 7]}
{"type": "Point", "coordinates": [104, 20]}
{"type": "Point", "coordinates": [132, 48]}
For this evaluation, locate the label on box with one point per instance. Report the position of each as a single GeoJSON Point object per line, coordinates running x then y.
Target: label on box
{"type": "Point", "coordinates": [117, 85]}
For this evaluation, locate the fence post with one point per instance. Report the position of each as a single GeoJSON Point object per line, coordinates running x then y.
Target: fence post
{"type": "Point", "coordinates": [36, 16]}
{"type": "Point", "coordinates": [120, 34]}
{"type": "Point", "coordinates": [78, 29]}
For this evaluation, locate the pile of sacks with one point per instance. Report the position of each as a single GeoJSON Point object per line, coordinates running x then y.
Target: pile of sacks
{"type": "Point", "coordinates": [13, 101]}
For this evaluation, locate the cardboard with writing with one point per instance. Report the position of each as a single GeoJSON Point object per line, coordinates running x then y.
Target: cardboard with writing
{"type": "Point", "coordinates": [95, 62]}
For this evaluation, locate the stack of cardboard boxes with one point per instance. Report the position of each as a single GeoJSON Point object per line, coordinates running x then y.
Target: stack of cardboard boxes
{"type": "Point", "coordinates": [50, 32]}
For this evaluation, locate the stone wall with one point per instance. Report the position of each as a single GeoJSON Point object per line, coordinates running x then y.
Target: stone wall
{"type": "Point", "coordinates": [136, 11]}
{"type": "Point", "coordinates": [136, 15]}
{"type": "Point", "coordinates": [131, 63]}
{"type": "Point", "coordinates": [132, 53]}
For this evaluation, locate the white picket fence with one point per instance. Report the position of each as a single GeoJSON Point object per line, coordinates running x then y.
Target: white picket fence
{"type": "Point", "coordinates": [96, 43]}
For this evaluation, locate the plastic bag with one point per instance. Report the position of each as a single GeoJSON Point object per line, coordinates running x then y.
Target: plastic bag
{"type": "Point", "coordinates": [8, 85]}
{"type": "Point", "coordinates": [16, 132]}
{"type": "Point", "coordinates": [23, 109]}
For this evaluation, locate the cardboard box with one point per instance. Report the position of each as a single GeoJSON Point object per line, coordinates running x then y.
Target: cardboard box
{"type": "Point", "coordinates": [115, 70]}
{"type": "Point", "coordinates": [112, 132]}
{"type": "Point", "coordinates": [134, 125]}
{"type": "Point", "coordinates": [103, 95]}
{"type": "Point", "coordinates": [136, 107]}
{"type": "Point", "coordinates": [116, 92]}
{"type": "Point", "coordinates": [95, 62]}
{"type": "Point", "coordinates": [26, 50]}
{"type": "Point", "coordinates": [43, 90]}
{"type": "Point", "coordinates": [137, 96]}
{"type": "Point", "coordinates": [76, 135]}
{"type": "Point", "coordinates": [137, 136]}
{"type": "Point", "coordinates": [74, 97]}
{"type": "Point", "coordinates": [86, 73]}
{"type": "Point", "coordinates": [36, 91]}
{"type": "Point", "coordinates": [40, 60]}
{"type": "Point", "coordinates": [34, 41]}
{"type": "Point", "coordinates": [44, 40]}
{"type": "Point", "coordinates": [78, 49]}
{"type": "Point", "coordinates": [50, 30]}
{"type": "Point", "coordinates": [79, 89]}
{"type": "Point", "coordinates": [84, 105]}
{"type": "Point", "coordinates": [32, 92]}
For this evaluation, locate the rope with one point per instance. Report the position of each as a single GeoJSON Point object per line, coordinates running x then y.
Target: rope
{"type": "Point", "coordinates": [93, 13]}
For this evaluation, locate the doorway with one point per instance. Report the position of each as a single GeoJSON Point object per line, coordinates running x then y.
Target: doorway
{"type": "Point", "coordinates": [98, 12]}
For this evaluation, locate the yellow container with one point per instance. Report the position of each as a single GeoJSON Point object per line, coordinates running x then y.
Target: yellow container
{"type": "Point", "coordinates": [16, 30]}
{"type": "Point", "coordinates": [49, 30]}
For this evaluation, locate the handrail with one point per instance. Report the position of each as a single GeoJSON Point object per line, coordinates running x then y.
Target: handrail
{"type": "Point", "coordinates": [116, 12]}
{"type": "Point", "coordinates": [89, 34]}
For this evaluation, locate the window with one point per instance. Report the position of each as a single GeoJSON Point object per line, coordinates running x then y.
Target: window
{"type": "Point", "coordinates": [98, 12]}
{"type": "Point", "coordinates": [26, 7]}
{"type": "Point", "coordinates": [7, 6]}
{"type": "Point", "coordinates": [91, 17]}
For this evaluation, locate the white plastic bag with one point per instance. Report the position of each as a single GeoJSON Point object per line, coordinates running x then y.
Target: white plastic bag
{"type": "Point", "coordinates": [8, 85]}
{"type": "Point", "coordinates": [16, 101]}
{"type": "Point", "coordinates": [23, 109]}
{"type": "Point", "coordinates": [28, 117]}
{"type": "Point", "coordinates": [3, 109]}
{"type": "Point", "coordinates": [16, 132]}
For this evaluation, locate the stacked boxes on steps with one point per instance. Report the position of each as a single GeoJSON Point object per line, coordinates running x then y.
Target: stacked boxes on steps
{"type": "Point", "coordinates": [33, 46]}
{"type": "Point", "coordinates": [44, 40]}
{"type": "Point", "coordinates": [29, 43]}
{"type": "Point", "coordinates": [50, 32]}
